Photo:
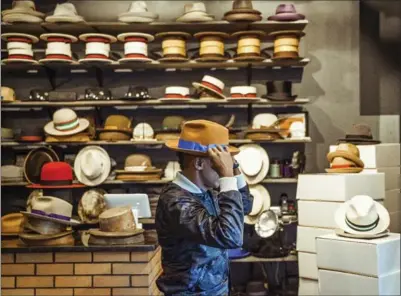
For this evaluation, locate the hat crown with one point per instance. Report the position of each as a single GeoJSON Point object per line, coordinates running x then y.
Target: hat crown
{"type": "Point", "coordinates": [192, 7]}
{"type": "Point", "coordinates": [26, 4]}
{"type": "Point", "coordinates": [172, 122]}
{"type": "Point", "coordinates": [138, 6]}
{"type": "Point", "coordinates": [12, 223]}
{"type": "Point", "coordinates": [138, 160]}
{"type": "Point", "coordinates": [52, 205]}
{"type": "Point", "coordinates": [92, 164]}
{"type": "Point", "coordinates": [257, 204]}
{"type": "Point", "coordinates": [362, 210]}
{"type": "Point", "coordinates": [348, 147]}
{"type": "Point", "coordinates": [7, 93]}
{"type": "Point", "coordinates": [177, 90]}
{"type": "Point", "coordinates": [205, 132]}
{"type": "Point", "coordinates": [143, 130]}
{"type": "Point", "coordinates": [119, 121]}
{"type": "Point", "coordinates": [279, 87]}
{"type": "Point", "coordinates": [214, 81]}
{"type": "Point", "coordinates": [264, 120]}
{"type": "Point", "coordinates": [64, 115]}
{"type": "Point", "coordinates": [285, 8]}
{"type": "Point", "coordinates": [361, 130]}
{"type": "Point", "coordinates": [56, 171]}
{"type": "Point", "coordinates": [250, 160]}
{"type": "Point", "coordinates": [65, 9]}
{"type": "Point", "coordinates": [242, 4]}
{"type": "Point", "coordinates": [11, 171]}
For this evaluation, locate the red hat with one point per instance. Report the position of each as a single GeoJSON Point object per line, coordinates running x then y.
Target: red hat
{"type": "Point", "coordinates": [55, 175]}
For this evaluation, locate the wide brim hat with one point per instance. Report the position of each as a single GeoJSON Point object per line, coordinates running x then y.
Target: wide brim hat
{"type": "Point", "coordinates": [60, 239]}
{"type": "Point", "coordinates": [265, 203]}
{"type": "Point", "coordinates": [21, 18]}
{"type": "Point", "coordinates": [135, 19]}
{"type": "Point", "coordinates": [382, 226]}
{"type": "Point", "coordinates": [64, 19]}
{"type": "Point", "coordinates": [347, 155]}
{"type": "Point", "coordinates": [128, 233]}
{"type": "Point", "coordinates": [21, 10]}
{"type": "Point", "coordinates": [342, 233]}
{"type": "Point", "coordinates": [71, 222]}
{"type": "Point", "coordinates": [280, 97]}
{"type": "Point", "coordinates": [46, 155]}
{"type": "Point", "coordinates": [106, 167]}
{"type": "Point", "coordinates": [259, 176]}
{"type": "Point", "coordinates": [146, 171]}
{"type": "Point", "coordinates": [358, 141]}
{"type": "Point", "coordinates": [51, 130]}
{"type": "Point", "coordinates": [286, 17]}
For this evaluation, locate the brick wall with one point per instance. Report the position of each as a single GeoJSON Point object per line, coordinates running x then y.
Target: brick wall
{"type": "Point", "coordinates": [97, 273]}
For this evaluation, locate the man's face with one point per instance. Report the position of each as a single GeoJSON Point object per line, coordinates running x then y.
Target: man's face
{"type": "Point", "coordinates": [209, 175]}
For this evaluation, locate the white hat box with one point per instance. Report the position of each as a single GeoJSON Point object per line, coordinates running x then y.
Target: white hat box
{"type": "Point", "coordinates": [308, 287]}
{"type": "Point", "coordinates": [392, 202]}
{"type": "Point", "coordinates": [339, 187]}
{"type": "Point", "coordinates": [341, 283]}
{"type": "Point", "coordinates": [306, 237]}
{"type": "Point", "coordinates": [374, 257]}
{"type": "Point", "coordinates": [392, 176]}
{"type": "Point", "coordinates": [307, 266]}
{"type": "Point", "coordinates": [379, 155]}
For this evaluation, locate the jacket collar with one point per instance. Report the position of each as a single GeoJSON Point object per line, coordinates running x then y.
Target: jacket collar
{"type": "Point", "coordinates": [186, 184]}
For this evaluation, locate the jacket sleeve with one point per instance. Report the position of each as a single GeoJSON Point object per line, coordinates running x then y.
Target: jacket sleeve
{"type": "Point", "coordinates": [189, 219]}
{"type": "Point", "coordinates": [247, 198]}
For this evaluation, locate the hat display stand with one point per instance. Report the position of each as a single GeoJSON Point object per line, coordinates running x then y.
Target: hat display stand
{"type": "Point", "coordinates": [58, 48]}
{"type": "Point", "coordinates": [248, 48]}
{"type": "Point", "coordinates": [97, 48]}
{"type": "Point", "coordinates": [135, 47]}
{"type": "Point", "coordinates": [174, 46]}
{"type": "Point", "coordinates": [19, 48]}
{"type": "Point", "coordinates": [60, 239]}
{"type": "Point", "coordinates": [211, 46]}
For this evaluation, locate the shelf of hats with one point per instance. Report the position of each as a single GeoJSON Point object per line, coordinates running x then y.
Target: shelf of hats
{"type": "Point", "coordinates": [91, 111]}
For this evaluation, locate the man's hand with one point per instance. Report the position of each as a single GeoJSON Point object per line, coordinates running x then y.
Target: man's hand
{"type": "Point", "coordinates": [222, 161]}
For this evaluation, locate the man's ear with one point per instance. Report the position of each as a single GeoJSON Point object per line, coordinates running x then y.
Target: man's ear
{"type": "Point", "coordinates": [199, 163]}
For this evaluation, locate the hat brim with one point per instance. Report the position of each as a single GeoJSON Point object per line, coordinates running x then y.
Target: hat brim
{"type": "Point", "coordinates": [342, 233]}
{"type": "Point", "coordinates": [96, 60]}
{"type": "Point", "coordinates": [200, 86]}
{"type": "Point", "coordinates": [243, 99]}
{"type": "Point", "coordinates": [136, 19]}
{"type": "Point", "coordinates": [279, 58]}
{"type": "Point", "coordinates": [135, 60]}
{"type": "Point", "coordinates": [265, 206]}
{"type": "Point", "coordinates": [173, 33]}
{"type": "Point", "coordinates": [280, 98]}
{"type": "Point", "coordinates": [173, 145]}
{"type": "Point", "coordinates": [346, 155]}
{"type": "Point", "coordinates": [173, 59]}
{"type": "Point", "coordinates": [98, 232]}
{"type": "Point", "coordinates": [249, 58]}
{"type": "Point", "coordinates": [148, 37]}
{"type": "Point", "coordinates": [45, 37]}
{"type": "Point", "coordinates": [22, 18]}
{"type": "Point", "coordinates": [141, 14]}
{"type": "Point", "coordinates": [5, 36]}
{"type": "Point", "coordinates": [359, 141]}
{"type": "Point", "coordinates": [261, 175]}
{"type": "Point", "coordinates": [150, 171]}
{"type": "Point", "coordinates": [39, 186]}
{"type": "Point", "coordinates": [211, 59]}
{"type": "Point", "coordinates": [252, 32]}
{"type": "Point", "coordinates": [23, 11]}
{"type": "Point", "coordinates": [176, 100]}
{"type": "Point", "coordinates": [106, 167]}
{"type": "Point", "coordinates": [10, 61]}
{"type": "Point", "coordinates": [193, 18]}
{"type": "Point", "coordinates": [71, 222]}
{"type": "Point", "coordinates": [242, 17]}
{"type": "Point", "coordinates": [351, 170]}
{"type": "Point", "coordinates": [64, 61]}
{"type": "Point", "coordinates": [384, 219]}
{"type": "Point", "coordinates": [297, 33]}
{"type": "Point", "coordinates": [64, 19]}
{"type": "Point", "coordinates": [50, 129]}
{"type": "Point", "coordinates": [211, 33]}
{"type": "Point", "coordinates": [84, 37]}
{"type": "Point", "coordinates": [49, 153]}
{"type": "Point", "coordinates": [286, 17]}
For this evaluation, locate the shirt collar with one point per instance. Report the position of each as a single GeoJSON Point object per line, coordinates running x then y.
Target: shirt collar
{"type": "Point", "coordinates": [186, 184]}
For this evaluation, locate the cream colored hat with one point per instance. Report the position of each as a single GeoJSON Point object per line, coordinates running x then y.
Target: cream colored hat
{"type": "Point", "coordinates": [362, 215]}
{"type": "Point", "coordinates": [22, 11]}
{"type": "Point", "coordinates": [66, 122]}
{"type": "Point", "coordinates": [176, 94]}
{"type": "Point", "coordinates": [261, 203]}
{"type": "Point", "coordinates": [65, 13]}
{"type": "Point", "coordinates": [143, 132]}
{"type": "Point", "coordinates": [138, 13]}
{"type": "Point", "coordinates": [195, 12]}
{"type": "Point", "coordinates": [92, 165]}
{"type": "Point", "coordinates": [254, 163]}
{"type": "Point", "coordinates": [171, 170]}
{"type": "Point", "coordinates": [212, 84]}
{"type": "Point", "coordinates": [7, 94]}
{"type": "Point", "coordinates": [263, 120]}
{"type": "Point", "coordinates": [245, 93]}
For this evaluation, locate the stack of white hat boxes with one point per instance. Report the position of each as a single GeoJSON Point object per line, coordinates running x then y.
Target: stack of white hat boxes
{"type": "Point", "coordinates": [319, 196]}
{"type": "Point", "coordinates": [385, 158]}
{"type": "Point", "coordinates": [348, 266]}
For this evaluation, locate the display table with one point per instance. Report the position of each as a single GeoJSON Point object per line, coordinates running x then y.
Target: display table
{"type": "Point", "coordinates": [80, 270]}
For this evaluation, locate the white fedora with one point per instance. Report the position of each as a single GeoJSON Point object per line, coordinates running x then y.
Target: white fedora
{"type": "Point", "coordinates": [176, 94]}
{"type": "Point", "coordinates": [254, 162]}
{"type": "Point", "coordinates": [92, 165]}
{"type": "Point", "coordinates": [97, 48]}
{"type": "Point", "coordinates": [19, 47]}
{"type": "Point", "coordinates": [65, 123]}
{"type": "Point", "coordinates": [135, 47]}
{"type": "Point", "coordinates": [171, 170]}
{"type": "Point", "coordinates": [212, 84]}
{"type": "Point", "coordinates": [362, 215]}
{"type": "Point", "coordinates": [138, 13]}
{"type": "Point", "coordinates": [261, 203]}
{"type": "Point", "coordinates": [195, 12]}
{"type": "Point", "coordinates": [243, 93]}
{"type": "Point", "coordinates": [143, 132]}
{"type": "Point", "coordinates": [65, 13]}
{"type": "Point", "coordinates": [58, 48]}
{"type": "Point", "coordinates": [263, 120]}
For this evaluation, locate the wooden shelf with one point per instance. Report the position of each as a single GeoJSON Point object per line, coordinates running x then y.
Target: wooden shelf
{"type": "Point", "coordinates": [250, 259]}
{"type": "Point", "coordinates": [115, 28]}
{"type": "Point", "coordinates": [280, 181]}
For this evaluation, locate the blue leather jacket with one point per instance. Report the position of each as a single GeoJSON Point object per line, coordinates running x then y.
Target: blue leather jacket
{"type": "Point", "coordinates": [195, 229]}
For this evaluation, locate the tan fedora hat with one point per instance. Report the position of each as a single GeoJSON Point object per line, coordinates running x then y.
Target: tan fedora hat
{"type": "Point", "coordinates": [91, 205]}
{"type": "Point", "coordinates": [345, 159]}
{"type": "Point", "coordinates": [23, 7]}
{"type": "Point", "coordinates": [116, 128]}
{"type": "Point", "coordinates": [195, 13]}
{"type": "Point", "coordinates": [12, 224]}
{"type": "Point", "coordinates": [198, 136]}
{"type": "Point", "coordinates": [138, 167]}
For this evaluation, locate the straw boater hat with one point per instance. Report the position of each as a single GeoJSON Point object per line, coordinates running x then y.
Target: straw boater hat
{"type": "Point", "coordinates": [143, 131]}
{"type": "Point", "coordinates": [135, 47]}
{"type": "Point", "coordinates": [65, 123]}
{"type": "Point", "coordinates": [65, 13]}
{"type": "Point", "coordinates": [211, 46]}
{"type": "Point", "coordinates": [35, 160]}
{"type": "Point", "coordinates": [362, 217]}
{"type": "Point", "coordinates": [345, 159]}
{"type": "Point", "coordinates": [92, 165]}
{"type": "Point", "coordinates": [286, 44]}
{"type": "Point", "coordinates": [138, 167]}
{"type": "Point", "coordinates": [116, 128]}
{"type": "Point", "coordinates": [91, 205]}
{"type": "Point", "coordinates": [58, 48]}
{"type": "Point", "coordinates": [55, 175]}
{"type": "Point", "coordinates": [97, 48]}
{"type": "Point", "coordinates": [198, 136]}
{"type": "Point", "coordinates": [254, 163]}
{"type": "Point", "coordinates": [176, 94]}
{"type": "Point", "coordinates": [242, 12]}
{"type": "Point", "coordinates": [22, 11]}
{"type": "Point", "coordinates": [138, 13]}
{"type": "Point", "coordinates": [19, 47]}
{"type": "Point", "coordinates": [286, 13]}
{"type": "Point", "coordinates": [211, 84]}
{"type": "Point", "coordinates": [248, 48]}
{"type": "Point", "coordinates": [116, 227]}
{"type": "Point", "coordinates": [195, 13]}
{"type": "Point", "coordinates": [7, 95]}
{"type": "Point", "coordinates": [261, 203]}
{"type": "Point", "coordinates": [174, 46]}
{"type": "Point", "coordinates": [243, 93]}
{"type": "Point", "coordinates": [12, 224]}
{"type": "Point", "coordinates": [360, 134]}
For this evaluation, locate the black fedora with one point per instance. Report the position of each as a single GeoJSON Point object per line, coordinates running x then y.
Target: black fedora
{"type": "Point", "coordinates": [279, 91]}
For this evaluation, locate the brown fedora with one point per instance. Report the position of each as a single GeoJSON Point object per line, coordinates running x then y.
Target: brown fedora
{"type": "Point", "coordinates": [198, 136]}
{"type": "Point", "coordinates": [242, 11]}
{"type": "Point", "coordinates": [345, 159]}
{"type": "Point", "coordinates": [116, 128]}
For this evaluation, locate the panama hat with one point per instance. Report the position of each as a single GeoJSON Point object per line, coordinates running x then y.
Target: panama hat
{"type": "Point", "coordinates": [211, 84]}
{"type": "Point", "coordinates": [176, 94]}
{"type": "Point", "coordinates": [254, 162]}
{"type": "Point", "coordinates": [345, 159]}
{"type": "Point", "coordinates": [195, 13]}
{"type": "Point", "coordinates": [138, 13]}
{"type": "Point", "coordinates": [261, 203]}
{"type": "Point", "coordinates": [65, 123]}
{"type": "Point", "coordinates": [92, 165]}
{"type": "Point", "coordinates": [35, 160]}
{"type": "Point", "coordinates": [198, 136]}
{"type": "Point", "coordinates": [11, 224]}
{"type": "Point", "coordinates": [65, 13]}
{"type": "Point", "coordinates": [362, 215]}
{"type": "Point", "coordinates": [26, 7]}
{"type": "Point", "coordinates": [58, 48]}
{"type": "Point", "coordinates": [91, 205]}
{"type": "Point", "coordinates": [243, 93]}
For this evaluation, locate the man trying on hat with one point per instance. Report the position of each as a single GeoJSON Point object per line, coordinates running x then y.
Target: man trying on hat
{"type": "Point", "coordinates": [196, 225]}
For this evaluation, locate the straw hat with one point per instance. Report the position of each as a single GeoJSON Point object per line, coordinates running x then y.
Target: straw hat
{"type": "Point", "coordinates": [248, 48]}
{"type": "Point", "coordinates": [211, 46]}
{"type": "Point", "coordinates": [19, 48]}
{"type": "Point", "coordinates": [116, 128]}
{"type": "Point", "coordinates": [7, 95]}
{"type": "Point", "coordinates": [176, 94]}
{"type": "Point", "coordinates": [211, 84]}
{"type": "Point", "coordinates": [35, 160]}
{"type": "Point", "coordinates": [138, 167]}
{"type": "Point", "coordinates": [91, 205]}
{"type": "Point", "coordinates": [174, 46]}
{"type": "Point", "coordinates": [138, 13]}
{"type": "Point", "coordinates": [198, 136]}
{"type": "Point", "coordinates": [135, 47]}
{"type": "Point", "coordinates": [254, 163]}
{"type": "Point", "coordinates": [345, 159]}
{"type": "Point", "coordinates": [286, 44]}
{"type": "Point", "coordinates": [97, 48]}
{"type": "Point", "coordinates": [243, 93]}
{"type": "Point", "coordinates": [11, 224]}
{"type": "Point", "coordinates": [58, 48]}
{"type": "Point", "coordinates": [195, 13]}
{"type": "Point", "coordinates": [22, 11]}
{"type": "Point", "coordinates": [66, 122]}
{"type": "Point", "coordinates": [65, 13]}
{"type": "Point", "coordinates": [143, 132]}
{"type": "Point", "coordinates": [92, 165]}
{"type": "Point", "coordinates": [361, 215]}
{"type": "Point", "coordinates": [261, 203]}
{"type": "Point", "coordinates": [171, 128]}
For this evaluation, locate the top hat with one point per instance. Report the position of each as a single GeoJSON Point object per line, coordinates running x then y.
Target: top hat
{"type": "Point", "coordinates": [261, 203]}
{"type": "Point", "coordinates": [135, 47]}
{"type": "Point", "coordinates": [211, 46]}
{"type": "Point", "coordinates": [56, 175]}
{"type": "Point", "coordinates": [58, 47]}
{"type": "Point", "coordinates": [92, 165]}
{"type": "Point", "coordinates": [19, 47]}
{"type": "Point", "coordinates": [137, 93]}
{"type": "Point", "coordinates": [242, 11]}
{"type": "Point", "coordinates": [34, 162]}
{"type": "Point", "coordinates": [248, 48]}
{"type": "Point", "coordinates": [22, 11]}
{"type": "Point", "coordinates": [198, 136]}
{"type": "Point", "coordinates": [138, 13]}
{"type": "Point", "coordinates": [361, 215]}
{"type": "Point", "coordinates": [66, 123]}
{"type": "Point", "coordinates": [254, 163]}
{"type": "Point", "coordinates": [174, 46]}
{"type": "Point", "coordinates": [65, 13]}
{"type": "Point", "coordinates": [360, 134]}
{"type": "Point", "coordinates": [195, 13]}
{"type": "Point", "coordinates": [345, 159]}
{"type": "Point", "coordinates": [91, 205]}
{"type": "Point", "coordinates": [211, 84]}
{"type": "Point", "coordinates": [97, 47]}
{"type": "Point", "coordinates": [116, 128]}
{"type": "Point", "coordinates": [286, 13]}
{"type": "Point", "coordinates": [279, 91]}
